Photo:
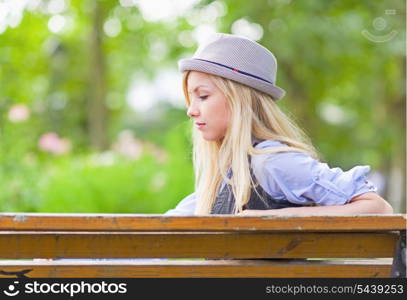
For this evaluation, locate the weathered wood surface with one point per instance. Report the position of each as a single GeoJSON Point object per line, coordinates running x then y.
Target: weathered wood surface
{"type": "Point", "coordinates": [189, 269]}
{"type": "Point", "coordinates": [128, 222]}
{"type": "Point", "coordinates": [270, 242]}
{"type": "Point", "coordinates": [196, 245]}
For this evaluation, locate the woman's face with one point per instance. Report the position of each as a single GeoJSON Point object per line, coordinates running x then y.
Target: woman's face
{"type": "Point", "coordinates": [208, 107]}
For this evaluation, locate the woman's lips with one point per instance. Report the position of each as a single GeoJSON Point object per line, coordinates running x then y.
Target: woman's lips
{"type": "Point", "coordinates": [200, 125]}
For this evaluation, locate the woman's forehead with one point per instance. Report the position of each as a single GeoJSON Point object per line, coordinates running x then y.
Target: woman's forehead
{"type": "Point", "coordinates": [194, 89]}
{"type": "Point", "coordinates": [198, 80]}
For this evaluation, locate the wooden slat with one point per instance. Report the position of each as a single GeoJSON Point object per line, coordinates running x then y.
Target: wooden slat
{"type": "Point", "coordinates": [189, 269]}
{"type": "Point", "coordinates": [198, 245]}
{"type": "Point", "coordinates": [126, 222]}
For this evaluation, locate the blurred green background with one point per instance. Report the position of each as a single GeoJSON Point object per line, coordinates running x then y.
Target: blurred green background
{"type": "Point", "coordinates": [92, 117]}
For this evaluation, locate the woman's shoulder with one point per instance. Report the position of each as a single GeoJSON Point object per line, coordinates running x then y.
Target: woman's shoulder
{"type": "Point", "coordinates": [262, 144]}
{"type": "Point", "coordinates": [280, 157]}
{"type": "Point", "coordinates": [282, 150]}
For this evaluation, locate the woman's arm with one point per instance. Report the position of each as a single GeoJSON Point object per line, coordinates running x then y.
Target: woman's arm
{"type": "Point", "coordinates": [367, 203]}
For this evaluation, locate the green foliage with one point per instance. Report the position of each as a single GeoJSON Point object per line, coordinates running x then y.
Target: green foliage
{"type": "Point", "coordinates": [80, 185]}
{"type": "Point", "coordinates": [99, 182]}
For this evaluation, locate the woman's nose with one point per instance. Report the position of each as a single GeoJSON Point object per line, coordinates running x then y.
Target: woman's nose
{"type": "Point", "coordinates": [192, 111]}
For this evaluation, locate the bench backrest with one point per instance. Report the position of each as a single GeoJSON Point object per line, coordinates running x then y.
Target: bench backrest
{"type": "Point", "coordinates": [250, 241]}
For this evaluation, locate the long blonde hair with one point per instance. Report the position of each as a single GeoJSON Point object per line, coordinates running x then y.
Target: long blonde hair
{"type": "Point", "coordinates": [254, 115]}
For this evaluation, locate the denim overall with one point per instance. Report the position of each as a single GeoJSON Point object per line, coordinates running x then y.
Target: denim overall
{"type": "Point", "coordinates": [225, 201]}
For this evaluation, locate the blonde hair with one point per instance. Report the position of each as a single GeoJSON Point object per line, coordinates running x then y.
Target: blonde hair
{"type": "Point", "coordinates": [254, 115]}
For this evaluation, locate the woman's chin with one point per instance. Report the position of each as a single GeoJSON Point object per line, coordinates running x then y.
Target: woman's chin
{"type": "Point", "coordinates": [210, 138]}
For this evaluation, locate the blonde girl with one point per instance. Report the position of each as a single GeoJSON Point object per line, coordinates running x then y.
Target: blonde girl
{"type": "Point", "coordinates": [249, 157]}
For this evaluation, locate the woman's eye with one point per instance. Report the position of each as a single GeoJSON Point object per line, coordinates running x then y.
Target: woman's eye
{"type": "Point", "coordinates": [203, 97]}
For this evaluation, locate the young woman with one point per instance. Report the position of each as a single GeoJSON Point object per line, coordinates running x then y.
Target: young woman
{"type": "Point", "coordinates": [249, 157]}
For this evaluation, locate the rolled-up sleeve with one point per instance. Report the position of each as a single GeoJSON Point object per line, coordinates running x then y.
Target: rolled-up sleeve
{"type": "Point", "coordinates": [300, 179]}
{"type": "Point", "coordinates": [185, 207]}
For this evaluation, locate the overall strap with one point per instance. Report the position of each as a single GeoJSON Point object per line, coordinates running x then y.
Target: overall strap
{"type": "Point", "coordinates": [259, 198]}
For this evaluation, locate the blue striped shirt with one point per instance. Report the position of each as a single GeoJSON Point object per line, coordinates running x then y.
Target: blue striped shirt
{"type": "Point", "coordinates": [298, 178]}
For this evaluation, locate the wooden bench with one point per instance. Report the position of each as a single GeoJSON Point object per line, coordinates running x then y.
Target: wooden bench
{"type": "Point", "coordinates": [214, 246]}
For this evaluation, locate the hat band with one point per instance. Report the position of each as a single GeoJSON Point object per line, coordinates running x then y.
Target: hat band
{"type": "Point", "coordinates": [234, 70]}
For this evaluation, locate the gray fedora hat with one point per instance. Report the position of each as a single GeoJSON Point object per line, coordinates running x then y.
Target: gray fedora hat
{"type": "Point", "coordinates": [237, 58]}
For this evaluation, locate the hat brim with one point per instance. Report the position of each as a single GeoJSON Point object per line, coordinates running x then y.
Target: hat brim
{"type": "Point", "coordinates": [202, 66]}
